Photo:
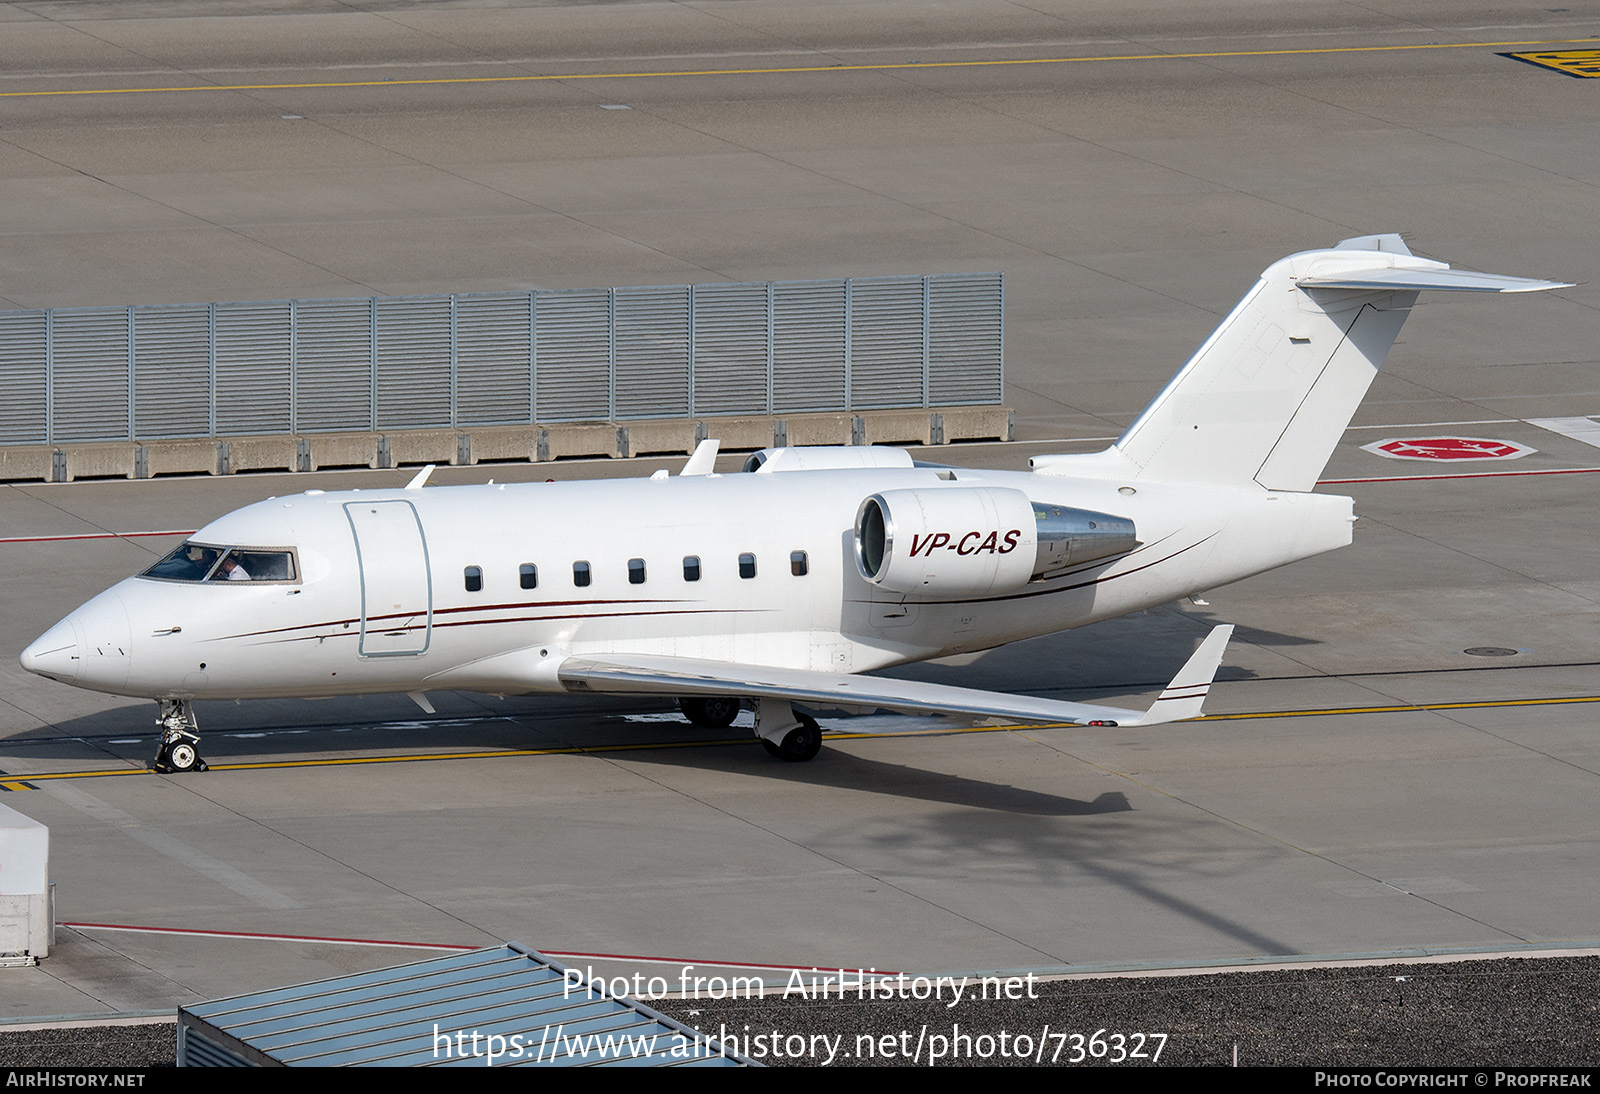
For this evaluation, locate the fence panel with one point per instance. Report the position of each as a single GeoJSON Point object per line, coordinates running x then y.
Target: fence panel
{"type": "Point", "coordinates": [253, 371]}
{"type": "Point", "coordinates": [494, 359]}
{"type": "Point", "coordinates": [572, 355]}
{"type": "Point", "coordinates": [333, 365]}
{"type": "Point", "coordinates": [810, 346]}
{"type": "Point", "coordinates": [25, 406]}
{"type": "Point", "coordinates": [89, 386]}
{"type": "Point", "coordinates": [966, 353]}
{"type": "Point", "coordinates": [651, 377]}
{"type": "Point", "coordinates": [732, 348]}
{"type": "Point", "coordinates": [888, 344]}
{"type": "Point", "coordinates": [172, 371]}
{"type": "Point", "coordinates": [480, 359]}
{"type": "Point", "coordinates": [413, 362]}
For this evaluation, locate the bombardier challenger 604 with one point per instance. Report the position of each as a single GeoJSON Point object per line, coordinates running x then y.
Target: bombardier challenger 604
{"type": "Point", "coordinates": [789, 582]}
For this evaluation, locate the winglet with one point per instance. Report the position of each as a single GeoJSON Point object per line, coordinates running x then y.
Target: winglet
{"type": "Point", "coordinates": [1183, 697]}
{"type": "Point", "coordinates": [704, 458]}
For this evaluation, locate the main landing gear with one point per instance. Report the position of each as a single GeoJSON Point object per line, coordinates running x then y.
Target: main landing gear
{"type": "Point", "coordinates": [713, 712]}
{"type": "Point", "coordinates": [179, 751]}
{"type": "Point", "coordinates": [786, 734]}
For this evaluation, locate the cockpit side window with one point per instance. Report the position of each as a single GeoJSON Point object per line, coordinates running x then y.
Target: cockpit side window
{"type": "Point", "coordinates": [194, 562]}
{"type": "Point", "coordinates": [248, 564]}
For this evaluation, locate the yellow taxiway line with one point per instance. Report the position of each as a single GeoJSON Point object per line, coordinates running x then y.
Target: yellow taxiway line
{"type": "Point", "coordinates": [17, 781]}
{"type": "Point", "coordinates": [799, 69]}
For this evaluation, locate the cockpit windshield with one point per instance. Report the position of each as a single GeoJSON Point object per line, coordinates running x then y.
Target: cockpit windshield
{"type": "Point", "coordinates": [196, 562]}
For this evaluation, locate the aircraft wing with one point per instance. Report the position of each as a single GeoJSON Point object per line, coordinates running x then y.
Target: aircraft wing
{"type": "Point", "coordinates": [644, 674]}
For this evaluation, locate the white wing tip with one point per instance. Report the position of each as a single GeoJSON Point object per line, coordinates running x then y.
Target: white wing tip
{"type": "Point", "coordinates": [1184, 697]}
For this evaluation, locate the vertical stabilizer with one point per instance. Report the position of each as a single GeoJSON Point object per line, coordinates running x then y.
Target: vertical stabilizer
{"type": "Point", "coordinates": [1269, 394]}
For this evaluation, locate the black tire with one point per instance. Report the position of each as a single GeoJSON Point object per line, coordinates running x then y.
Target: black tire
{"type": "Point", "coordinates": [182, 756]}
{"type": "Point", "coordinates": [800, 744]}
{"type": "Point", "coordinates": [715, 712]}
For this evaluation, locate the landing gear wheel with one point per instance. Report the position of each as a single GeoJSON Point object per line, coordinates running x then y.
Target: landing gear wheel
{"type": "Point", "coordinates": [715, 712]}
{"type": "Point", "coordinates": [178, 751]}
{"type": "Point", "coordinates": [179, 756]}
{"type": "Point", "coordinates": [800, 744]}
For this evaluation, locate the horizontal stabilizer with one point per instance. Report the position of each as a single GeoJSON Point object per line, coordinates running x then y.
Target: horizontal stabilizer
{"type": "Point", "coordinates": [1391, 279]}
{"type": "Point", "coordinates": [646, 674]}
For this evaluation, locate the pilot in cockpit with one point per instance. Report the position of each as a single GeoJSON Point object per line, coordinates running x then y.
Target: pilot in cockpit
{"type": "Point", "coordinates": [201, 559]}
{"type": "Point", "coordinates": [194, 562]}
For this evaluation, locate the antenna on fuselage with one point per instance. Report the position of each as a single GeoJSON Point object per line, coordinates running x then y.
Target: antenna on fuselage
{"type": "Point", "coordinates": [704, 460]}
{"type": "Point", "coordinates": [420, 479]}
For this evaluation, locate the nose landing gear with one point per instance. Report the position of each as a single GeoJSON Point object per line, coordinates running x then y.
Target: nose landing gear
{"type": "Point", "coordinates": [179, 750]}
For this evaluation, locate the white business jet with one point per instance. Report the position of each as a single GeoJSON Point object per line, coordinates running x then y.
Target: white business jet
{"type": "Point", "coordinates": [781, 585]}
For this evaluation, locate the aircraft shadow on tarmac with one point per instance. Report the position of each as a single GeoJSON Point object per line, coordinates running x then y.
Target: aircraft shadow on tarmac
{"type": "Point", "coordinates": [627, 731]}
{"type": "Point", "coordinates": [1010, 834]}
{"type": "Point", "coordinates": [840, 770]}
{"type": "Point", "coordinates": [1004, 835]}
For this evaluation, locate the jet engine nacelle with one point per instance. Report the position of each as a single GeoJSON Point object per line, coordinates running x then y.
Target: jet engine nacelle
{"type": "Point", "coordinates": [976, 541]}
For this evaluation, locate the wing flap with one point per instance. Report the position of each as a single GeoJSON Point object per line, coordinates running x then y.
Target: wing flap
{"type": "Point", "coordinates": [645, 674]}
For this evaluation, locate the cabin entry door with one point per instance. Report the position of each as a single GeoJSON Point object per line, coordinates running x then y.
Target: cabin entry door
{"type": "Point", "coordinates": [396, 589]}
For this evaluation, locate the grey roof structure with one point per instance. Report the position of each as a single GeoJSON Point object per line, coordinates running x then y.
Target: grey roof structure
{"type": "Point", "coordinates": [507, 1006]}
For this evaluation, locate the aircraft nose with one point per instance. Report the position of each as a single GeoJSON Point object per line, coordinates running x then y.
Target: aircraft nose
{"type": "Point", "coordinates": [54, 653]}
{"type": "Point", "coordinates": [89, 648]}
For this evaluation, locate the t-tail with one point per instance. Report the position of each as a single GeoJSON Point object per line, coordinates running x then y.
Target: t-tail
{"type": "Point", "coordinates": [1269, 394]}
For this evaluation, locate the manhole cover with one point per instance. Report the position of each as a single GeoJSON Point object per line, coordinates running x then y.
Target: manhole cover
{"type": "Point", "coordinates": [1489, 651]}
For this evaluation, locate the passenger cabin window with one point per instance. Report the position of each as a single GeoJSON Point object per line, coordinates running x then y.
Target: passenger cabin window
{"type": "Point", "coordinates": [691, 567]}
{"type": "Point", "coordinates": [474, 578]}
{"type": "Point", "coordinates": [747, 565]}
{"type": "Point", "coordinates": [195, 562]}
{"type": "Point", "coordinates": [636, 571]}
{"type": "Point", "coordinates": [580, 574]}
{"type": "Point", "coordinates": [798, 564]}
{"type": "Point", "coordinates": [528, 575]}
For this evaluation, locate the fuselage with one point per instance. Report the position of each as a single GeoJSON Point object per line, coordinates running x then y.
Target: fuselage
{"type": "Point", "coordinates": [490, 587]}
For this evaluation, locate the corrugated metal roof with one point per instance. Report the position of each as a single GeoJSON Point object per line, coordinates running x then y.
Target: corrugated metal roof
{"type": "Point", "coordinates": [508, 1006]}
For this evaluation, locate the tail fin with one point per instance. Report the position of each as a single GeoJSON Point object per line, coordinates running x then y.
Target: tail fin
{"type": "Point", "coordinates": [1269, 394]}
